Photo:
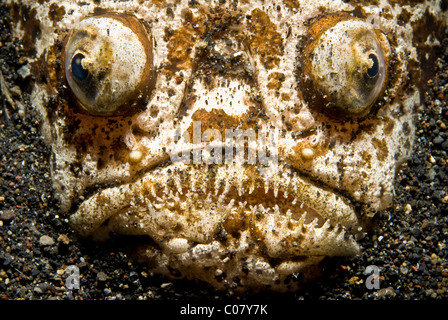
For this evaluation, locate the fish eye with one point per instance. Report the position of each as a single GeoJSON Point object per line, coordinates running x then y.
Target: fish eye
{"type": "Point", "coordinates": [78, 70]}
{"type": "Point", "coordinates": [345, 67]}
{"type": "Point", "coordinates": [108, 63]}
{"type": "Point", "coordinates": [374, 69]}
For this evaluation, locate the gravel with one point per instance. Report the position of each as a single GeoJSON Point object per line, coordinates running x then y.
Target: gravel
{"type": "Point", "coordinates": [408, 242]}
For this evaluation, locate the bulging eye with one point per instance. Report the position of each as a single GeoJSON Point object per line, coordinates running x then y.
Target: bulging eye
{"type": "Point", "coordinates": [108, 63]}
{"type": "Point", "coordinates": [78, 70]}
{"type": "Point", "coordinates": [345, 66]}
{"type": "Point", "coordinates": [373, 70]}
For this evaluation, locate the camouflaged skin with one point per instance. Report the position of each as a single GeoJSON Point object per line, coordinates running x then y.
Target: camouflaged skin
{"type": "Point", "coordinates": [231, 65]}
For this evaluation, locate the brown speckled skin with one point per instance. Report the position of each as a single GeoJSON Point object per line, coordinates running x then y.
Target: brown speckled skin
{"type": "Point", "coordinates": [236, 64]}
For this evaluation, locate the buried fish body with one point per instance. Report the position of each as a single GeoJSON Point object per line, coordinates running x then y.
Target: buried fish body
{"type": "Point", "coordinates": [153, 110]}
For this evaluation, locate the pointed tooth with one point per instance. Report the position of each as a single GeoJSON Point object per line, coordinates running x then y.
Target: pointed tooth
{"type": "Point", "coordinates": [230, 204]}
{"type": "Point", "coordinates": [240, 184]}
{"type": "Point", "coordinates": [240, 190]}
{"type": "Point", "coordinates": [216, 187]}
{"type": "Point", "coordinates": [274, 185]}
{"type": "Point", "coordinates": [301, 220]}
{"type": "Point", "coordinates": [276, 210]}
{"type": "Point", "coordinates": [336, 232]}
{"type": "Point", "coordinates": [221, 199]}
{"type": "Point", "coordinates": [170, 204]}
{"type": "Point", "coordinates": [203, 185]}
{"type": "Point", "coordinates": [158, 206]}
{"type": "Point", "coordinates": [326, 225]}
{"type": "Point", "coordinates": [192, 186]}
{"type": "Point", "coordinates": [304, 216]}
{"type": "Point", "coordinates": [263, 209]}
{"type": "Point", "coordinates": [341, 235]}
{"type": "Point", "coordinates": [218, 184]}
{"type": "Point", "coordinates": [294, 201]}
{"type": "Point", "coordinates": [294, 186]}
{"type": "Point", "coordinates": [178, 184]}
{"type": "Point", "coordinates": [184, 204]}
{"type": "Point", "coordinates": [253, 209]}
{"type": "Point", "coordinates": [227, 186]}
{"type": "Point", "coordinates": [252, 187]}
{"type": "Point", "coordinates": [337, 228]}
{"type": "Point", "coordinates": [208, 199]}
{"type": "Point", "coordinates": [152, 189]}
{"type": "Point", "coordinates": [242, 208]}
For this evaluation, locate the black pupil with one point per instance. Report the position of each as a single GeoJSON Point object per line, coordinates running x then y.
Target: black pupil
{"type": "Point", "coordinates": [373, 71]}
{"type": "Point", "coordinates": [77, 70]}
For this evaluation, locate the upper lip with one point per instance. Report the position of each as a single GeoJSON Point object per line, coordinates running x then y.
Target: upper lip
{"type": "Point", "coordinates": [319, 216]}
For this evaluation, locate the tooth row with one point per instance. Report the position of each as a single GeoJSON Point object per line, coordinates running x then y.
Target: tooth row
{"type": "Point", "coordinates": [276, 211]}
{"type": "Point", "coordinates": [324, 241]}
{"type": "Point", "coordinates": [109, 201]}
{"type": "Point", "coordinates": [226, 180]}
{"type": "Point", "coordinates": [244, 183]}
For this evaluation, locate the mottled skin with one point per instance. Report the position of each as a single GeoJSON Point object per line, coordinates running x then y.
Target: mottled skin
{"type": "Point", "coordinates": [232, 64]}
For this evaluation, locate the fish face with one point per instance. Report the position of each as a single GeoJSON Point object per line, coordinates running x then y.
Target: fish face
{"type": "Point", "coordinates": [245, 140]}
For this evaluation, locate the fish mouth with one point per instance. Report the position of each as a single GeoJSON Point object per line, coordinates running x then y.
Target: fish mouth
{"type": "Point", "coordinates": [285, 215]}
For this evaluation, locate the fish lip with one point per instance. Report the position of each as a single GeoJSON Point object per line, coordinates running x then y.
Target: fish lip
{"type": "Point", "coordinates": [115, 203]}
